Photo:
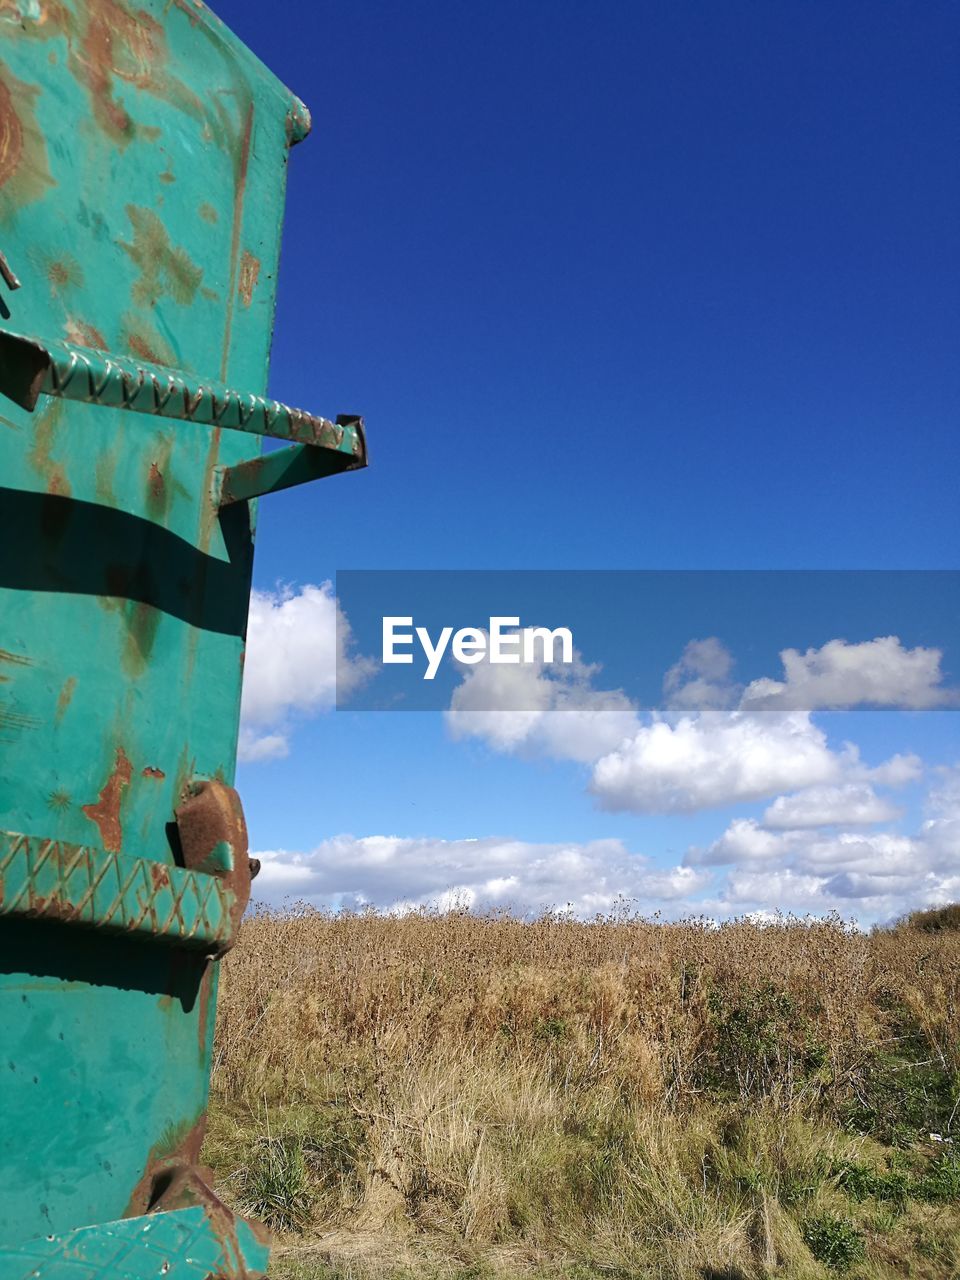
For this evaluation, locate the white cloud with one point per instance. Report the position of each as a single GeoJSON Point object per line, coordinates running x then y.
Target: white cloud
{"type": "Point", "coordinates": [870, 876]}
{"type": "Point", "coordinates": [545, 710]}
{"type": "Point", "coordinates": [875, 875]}
{"type": "Point", "coordinates": [895, 772]}
{"type": "Point", "coordinates": [395, 873]}
{"type": "Point", "coordinates": [879, 672]}
{"type": "Point", "coordinates": [298, 646]}
{"type": "Point", "coordinates": [744, 841]}
{"type": "Point", "coordinates": [714, 759]}
{"type": "Point", "coordinates": [697, 755]}
{"type": "Point", "coordinates": [700, 679]}
{"type": "Point", "coordinates": [852, 804]}
{"type": "Point", "coordinates": [252, 746]}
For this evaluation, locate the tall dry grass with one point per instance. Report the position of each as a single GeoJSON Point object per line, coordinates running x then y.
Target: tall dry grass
{"type": "Point", "coordinates": [481, 1094]}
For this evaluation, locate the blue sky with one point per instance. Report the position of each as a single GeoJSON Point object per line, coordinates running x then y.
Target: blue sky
{"type": "Point", "coordinates": [651, 285]}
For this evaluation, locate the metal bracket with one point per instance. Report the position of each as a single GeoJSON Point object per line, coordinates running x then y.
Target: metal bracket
{"type": "Point", "coordinates": [297, 464]}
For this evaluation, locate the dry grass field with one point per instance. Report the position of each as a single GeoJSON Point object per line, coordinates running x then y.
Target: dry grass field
{"type": "Point", "coordinates": [459, 1096]}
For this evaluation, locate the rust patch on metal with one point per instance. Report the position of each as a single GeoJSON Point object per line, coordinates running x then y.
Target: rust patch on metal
{"type": "Point", "coordinates": [16, 720]}
{"type": "Point", "coordinates": [85, 335]}
{"type": "Point", "coordinates": [40, 456]}
{"type": "Point", "coordinates": [112, 34]}
{"type": "Point", "coordinates": [240, 191]}
{"type": "Point", "coordinates": [159, 875]}
{"type": "Point", "coordinates": [145, 341]}
{"type": "Point", "coordinates": [156, 483]}
{"type": "Point", "coordinates": [208, 213]}
{"type": "Point", "coordinates": [24, 168]}
{"type": "Point", "coordinates": [169, 1162]}
{"type": "Point", "coordinates": [142, 622]}
{"type": "Point", "coordinates": [66, 693]}
{"type": "Point", "coordinates": [105, 469]}
{"type": "Point", "coordinates": [151, 772]}
{"type": "Point", "coordinates": [58, 485]}
{"type": "Point", "coordinates": [165, 269]}
{"type": "Point", "coordinates": [192, 11]}
{"type": "Point", "coordinates": [210, 817]}
{"type": "Point", "coordinates": [17, 659]}
{"type": "Point", "coordinates": [106, 812]}
{"type": "Point", "coordinates": [131, 47]}
{"type": "Point", "coordinates": [161, 482]}
{"type": "Point", "coordinates": [142, 349]}
{"type": "Point", "coordinates": [64, 272]}
{"type": "Point", "coordinates": [210, 513]}
{"type": "Point", "coordinates": [167, 176]}
{"type": "Point", "coordinates": [249, 275]}
{"type": "Point", "coordinates": [11, 136]}
{"type": "Point", "coordinates": [204, 1011]}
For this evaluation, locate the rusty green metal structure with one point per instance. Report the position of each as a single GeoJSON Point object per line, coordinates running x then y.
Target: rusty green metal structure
{"type": "Point", "coordinates": [143, 153]}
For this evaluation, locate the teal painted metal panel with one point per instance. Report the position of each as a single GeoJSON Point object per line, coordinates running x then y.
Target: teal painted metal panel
{"type": "Point", "coordinates": [143, 154]}
{"type": "Point", "coordinates": [181, 1245]}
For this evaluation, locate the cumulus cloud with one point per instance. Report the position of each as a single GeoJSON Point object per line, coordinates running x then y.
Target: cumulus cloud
{"type": "Point", "coordinates": [714, 759]}
{"type": "Point", "coordinates": [253, 746]}
{"type": "Point", "coordinates": [895, 772]}
{"type": "Point", "coordinates": [878, 673]}
{"type": "Point", "coordinates": [852, 804]}
{"type": "Point", "coordinates": [701, 678]}
{"type": "Point", "coordinates": [545, 710]}
{"type": "Point", "coordinates": [714, 744]}
{"type": "Point", "coordinates": [298, 647]}
{"type": "Point", "coordinates": [875, 875]}
{"type": "Point", "coordinates": [397, 873]}
{"type": "Point", "coordinates": [751, 869]}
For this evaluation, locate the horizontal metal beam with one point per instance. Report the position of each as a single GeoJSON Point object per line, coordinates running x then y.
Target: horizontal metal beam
{"type": "Point", "coordinates": [31, 367]}
{"type": "Point", "coordinates": [47, 879]}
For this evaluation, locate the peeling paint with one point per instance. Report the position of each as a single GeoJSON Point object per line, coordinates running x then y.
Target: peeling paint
{"type": "Point", "coordinates": [106, 812]}
{"type": "Point", "coordinates": [249, 274]}
{"type": "Point", "coordinates": [64, 697]}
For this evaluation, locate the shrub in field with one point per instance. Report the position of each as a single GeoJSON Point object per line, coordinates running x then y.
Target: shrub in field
{"type": "Point", "coordinates": [835, 1241]}
{"type": "Point", "coordinates": [275, 1183]}
{"type": "Point", "coordinates": [935, 919]}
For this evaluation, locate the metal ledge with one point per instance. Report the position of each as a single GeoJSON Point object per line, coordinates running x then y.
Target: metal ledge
{"type": "Point", "coordinates": [31, 367]}
{"type": "Point", "coordinates": [74, 884]}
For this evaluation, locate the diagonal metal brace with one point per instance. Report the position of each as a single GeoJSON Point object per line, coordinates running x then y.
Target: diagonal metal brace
{"type": "Point", "coordinates": [31, 367]}
{"type": "Point", "coordinates": [297, 464]}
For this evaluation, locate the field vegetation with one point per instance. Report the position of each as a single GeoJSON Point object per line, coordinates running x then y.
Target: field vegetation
{"type": "Point", "coordinates": [461, 1096]}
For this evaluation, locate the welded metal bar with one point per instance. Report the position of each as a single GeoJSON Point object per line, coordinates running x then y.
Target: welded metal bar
{"type": "Point", "coordinates": [31, 367]}
{"type": "Point", "coordinates": [74, 884]}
